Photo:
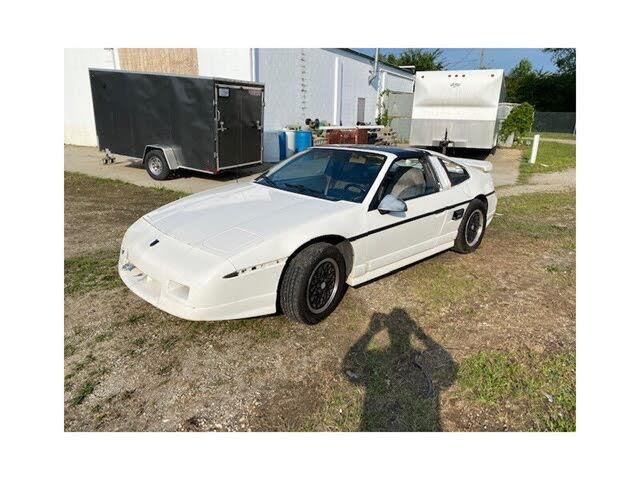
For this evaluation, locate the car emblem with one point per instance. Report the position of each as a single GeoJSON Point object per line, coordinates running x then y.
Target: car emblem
{"type": "Point", "coordinates": [155, 242]}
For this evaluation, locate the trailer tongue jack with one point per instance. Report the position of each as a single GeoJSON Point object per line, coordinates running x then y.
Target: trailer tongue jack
{"type": "Point", "coordinates": [108, 157]}
{"type": "Point", "coordinates": [446, 142]}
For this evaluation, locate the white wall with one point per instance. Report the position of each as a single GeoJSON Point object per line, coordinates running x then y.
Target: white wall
{"type": "Point", "coordinates": [79, 126]}
{"type": "Point", "coordinates": [279, 70]}
{"type": "Point", "coordinates": [318, 83]}
{"type": "Point", "coordinates": [233, 63]}
{"type": "Point", "coordinates": [396, 82]}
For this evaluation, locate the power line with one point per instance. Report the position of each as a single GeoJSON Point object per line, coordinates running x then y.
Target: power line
{"type": "Point", "coordinates": [465, 59]}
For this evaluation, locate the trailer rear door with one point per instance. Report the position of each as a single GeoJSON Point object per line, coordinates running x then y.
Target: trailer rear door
{"type": "Point", "coordinates": [239, 125]}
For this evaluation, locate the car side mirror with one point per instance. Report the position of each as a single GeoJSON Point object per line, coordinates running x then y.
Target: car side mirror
{"type": "Point", "coordinates": [392, 204]}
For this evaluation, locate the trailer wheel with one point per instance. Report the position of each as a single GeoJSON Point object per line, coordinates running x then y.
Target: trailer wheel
{"type": "Point", "coordinates": [156, 165]}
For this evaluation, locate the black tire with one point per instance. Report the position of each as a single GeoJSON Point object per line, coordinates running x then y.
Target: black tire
{"type": "Point", "coordinates": [468, 238]}
{"type": "Point", "coordinates": [300, 294]}
{"type": "Point", "coordinates": [156, 165]}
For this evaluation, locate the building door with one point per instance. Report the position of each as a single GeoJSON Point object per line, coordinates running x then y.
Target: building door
{"type": "Point", "coordinates": [239, 125]}
{"type": "Point", "coordinates": [361, 105]}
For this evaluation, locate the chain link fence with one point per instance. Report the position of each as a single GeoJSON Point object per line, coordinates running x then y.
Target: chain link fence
{"type": "Point", "coordinates": [559, 122]}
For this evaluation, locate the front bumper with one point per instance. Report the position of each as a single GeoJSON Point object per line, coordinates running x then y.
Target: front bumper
{"type": "Point", "coordinates": [188, 282]}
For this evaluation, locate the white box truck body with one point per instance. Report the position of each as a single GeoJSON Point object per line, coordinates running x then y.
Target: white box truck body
{"type": "Point", "coordinates": [457, 108]}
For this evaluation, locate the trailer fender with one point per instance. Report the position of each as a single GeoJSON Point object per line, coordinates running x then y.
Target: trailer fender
{"type": "Point", "coordinates": [169, 154]}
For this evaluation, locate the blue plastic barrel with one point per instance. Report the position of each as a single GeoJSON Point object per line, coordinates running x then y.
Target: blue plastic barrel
{"type": "Point", "coordinates": [304, 139]}
{"type": "Point", "coordinates": [282, 142]}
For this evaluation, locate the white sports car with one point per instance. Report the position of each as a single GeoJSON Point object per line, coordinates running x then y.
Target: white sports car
{"type": "Point", "coordinates": [295, 237]}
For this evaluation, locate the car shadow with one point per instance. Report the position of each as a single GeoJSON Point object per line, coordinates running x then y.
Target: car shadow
{"type": "Point", "coordinates": [403, 376]}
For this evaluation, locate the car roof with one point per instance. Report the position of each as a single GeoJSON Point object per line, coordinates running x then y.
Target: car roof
{"type": "Point", "coordinates": [397, 151]}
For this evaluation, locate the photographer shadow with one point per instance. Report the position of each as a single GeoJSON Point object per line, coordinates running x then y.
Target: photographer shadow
{"type": "Point", "coordinates": [402, 382]}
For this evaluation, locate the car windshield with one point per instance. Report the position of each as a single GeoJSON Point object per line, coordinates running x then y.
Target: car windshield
{"type": "Point", "coordinates": [327, 173]}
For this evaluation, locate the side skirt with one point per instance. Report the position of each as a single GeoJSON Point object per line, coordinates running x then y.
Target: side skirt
{"type": "Point", "coordinates": [399, 264]}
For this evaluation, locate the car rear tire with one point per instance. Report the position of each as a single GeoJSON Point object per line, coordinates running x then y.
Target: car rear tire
{"type": "Point", "coordinates": [313, 283]}
{"type": "Point", "coordinates": [156, 165]}
{"type": "Point", "coordinates": [472, 227]}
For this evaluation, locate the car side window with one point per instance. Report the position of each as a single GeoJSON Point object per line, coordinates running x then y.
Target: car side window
{"type": "Point", "coordinates": [456, 173]}
{"type": "Point", "coordinates": [407, 178]}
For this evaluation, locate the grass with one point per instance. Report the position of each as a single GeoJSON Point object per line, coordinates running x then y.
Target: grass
{"type": "Point", "coordinates": [83, 392]}
{"type": "Point", "coordinates": [552, 157]}
{"type": "Point", "coordinates": [135, 318]}
{"type": "Point", "coordinates": [81, 180]}
{"type": "Point", "coordinates": [558, 135]}
{"type": "Point", "coordinates": [492, 376]}
{"type": "Point", "coordinates": [438, 284]}
{"type": "Point", "coordinates": [169, 342]}
{"type": "Point", "coordinates": [127, 394]}
{"type": "Point", "coordinates": [86, 273]}
{"type": "Point", "coordinates": [88, 359]}
{"type": "Point", "coordinates": [537, 206]}
{"type": "Point", "coordinates": [69, 349]}
{"type": "Point", "coordinates": [167, 367]}
{"type": "Point", "coordinates": [545, 386]}
{"type": "Point", "coordinates": [535, 216]}
{"type": "Point", "coordinates": [101, 337]}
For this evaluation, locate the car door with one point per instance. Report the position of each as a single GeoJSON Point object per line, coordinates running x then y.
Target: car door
{"type": "Point", "coordinates": [394, 236]}
{"type": "Point", "coordinates": [454, 196]}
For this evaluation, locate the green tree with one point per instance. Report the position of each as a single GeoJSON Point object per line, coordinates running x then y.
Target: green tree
{"type": "Point", "coordinates": [421, 58]}
{"type": "Point", "coordinates": [519, 76]}
{"type": "Point", "coordinates": [564, 58]}
{"type": "Point", "coordinates": [547, 92]}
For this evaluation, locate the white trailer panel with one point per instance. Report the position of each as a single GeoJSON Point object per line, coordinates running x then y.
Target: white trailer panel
{"type": "Point", "coordinates": [459, 106]}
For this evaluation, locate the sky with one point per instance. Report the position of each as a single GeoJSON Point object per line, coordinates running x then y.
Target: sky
{"type": "Point", "coordinates": [469, 58]}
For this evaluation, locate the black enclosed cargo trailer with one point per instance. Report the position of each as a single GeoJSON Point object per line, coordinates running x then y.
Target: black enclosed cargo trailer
{"type": "Point", "coordinates": [177, 121]}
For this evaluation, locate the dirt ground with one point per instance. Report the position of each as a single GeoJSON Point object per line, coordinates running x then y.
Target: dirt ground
{"type": "Point", "coordinates": [542, 182]}
{"type": "Point", "coordinates": [399, 353]}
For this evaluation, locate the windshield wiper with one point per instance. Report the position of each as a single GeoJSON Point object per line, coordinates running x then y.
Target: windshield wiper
{"type": "Point", "coordinates": [268, 181]}
{"type": "Point", "coordinates": [303, 189]}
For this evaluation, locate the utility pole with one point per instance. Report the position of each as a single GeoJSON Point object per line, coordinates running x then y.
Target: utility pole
{"type": "Point", "coordinates": [481, 67]}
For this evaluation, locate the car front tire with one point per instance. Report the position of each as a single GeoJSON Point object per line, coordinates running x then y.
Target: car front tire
{"type": "Point", "coordinates": [156, 165]}
{"type": "Point", "coordinates": [313, 283]}
{"type": "Point", "coordinates": [472, 227]}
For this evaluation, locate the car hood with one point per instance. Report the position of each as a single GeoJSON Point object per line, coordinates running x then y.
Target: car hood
{"type": "Point", "coordinates": [229, 218]}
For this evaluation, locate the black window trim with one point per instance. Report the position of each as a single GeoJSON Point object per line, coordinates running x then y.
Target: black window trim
{"type": "Point", "coordinates": [466, 172]}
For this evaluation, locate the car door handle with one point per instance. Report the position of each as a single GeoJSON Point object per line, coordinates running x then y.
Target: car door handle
{"type": "Point", "coordinates": [457, 215]}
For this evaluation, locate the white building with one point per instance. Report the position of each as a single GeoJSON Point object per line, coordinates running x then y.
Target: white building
{"type": "Point", "coordinates": [338, 86]}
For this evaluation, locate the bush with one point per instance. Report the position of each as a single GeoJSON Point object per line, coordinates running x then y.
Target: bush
{"type": "Point", "coordinates": [519, 121]}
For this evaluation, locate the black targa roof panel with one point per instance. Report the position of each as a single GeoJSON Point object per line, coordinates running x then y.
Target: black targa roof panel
{"type": "Point", "coordinates": [397, 151]}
